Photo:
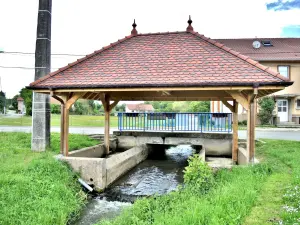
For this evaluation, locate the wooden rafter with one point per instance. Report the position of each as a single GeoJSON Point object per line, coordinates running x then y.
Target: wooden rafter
{"type": "Point", "coordinates": [228, 105]}
{"type": "Point", "coordinates": [112, 105]}
{"type": "Point", "coordinates": [73, 99]}
{"type": "Point", "coordinates": [240, 98]}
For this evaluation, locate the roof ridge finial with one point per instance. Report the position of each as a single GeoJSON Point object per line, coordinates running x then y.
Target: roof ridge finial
{"type": "Point", "coordinates": [190, 28]}
{"type": "Point", "coordinates": [134, 31]}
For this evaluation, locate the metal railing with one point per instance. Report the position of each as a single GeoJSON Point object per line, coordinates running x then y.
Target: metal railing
{"type": "Point", "coordinates": [198, 122]}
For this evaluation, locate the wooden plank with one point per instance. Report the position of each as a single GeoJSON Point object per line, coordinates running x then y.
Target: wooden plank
{"type": "Point", "coordinates": [111, 106]}
{"type": "Point", "coordinates": [252, 138]}
{"type": "Point", "coordinates": [227, 104]}
{"type": "Point", "coordinates": [251, 130]}
{"type": "Point", "coordinates": [235, 131]}
{"type": "Point", "coordinates": [66, 131]}
{"type": "Point", "coordinates": [240, 99]}
{"type": "Point", "coordinates": [237, 88]}
{"type": "Point", "coordinates": [64, 123]}
{"type": "Point", "coordinates": [62, 128]}
{"type": "Point", "coordinates": [125, 98]}
{"type": "Point", "coordinates": [73, 99]}
{"type": "Point", "coordinates": [107, 122]}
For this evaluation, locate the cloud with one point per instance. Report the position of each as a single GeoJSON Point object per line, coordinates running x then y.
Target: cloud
{"type": "Point", "coordinates": [281, 5]}
{"type": "Point", "coordinates": [291, 31]}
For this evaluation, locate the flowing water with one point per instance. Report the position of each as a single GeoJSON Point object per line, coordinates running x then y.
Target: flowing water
{"type": "Point", "coordinates": [159, 174]}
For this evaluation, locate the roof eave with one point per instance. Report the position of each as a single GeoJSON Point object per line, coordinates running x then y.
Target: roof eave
{"type": "Point", "coordinates": [258, 84]}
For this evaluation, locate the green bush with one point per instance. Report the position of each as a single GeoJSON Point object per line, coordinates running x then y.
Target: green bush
{"type": "Point", "coordinates": [266, 107]}
{"type": "Point", "coordinates": [243, 123]}
{"type": "Point", "coordinates": [198, 176]}
{"type": "Point", "coordinates": [55, 109]}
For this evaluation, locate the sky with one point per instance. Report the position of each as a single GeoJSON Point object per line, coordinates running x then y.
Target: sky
{"type": "Point", "coordinates": [80, 27]}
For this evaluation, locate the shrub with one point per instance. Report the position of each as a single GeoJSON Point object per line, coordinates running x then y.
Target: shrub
{"type": "Point", "coordinates": [198, 176]}
{"type": "Point", "coordinates": [55, 109]}
{"type": "Point", "coordinates": [266, 107]}
{"type": "Point", "coordinates": [243, 122]}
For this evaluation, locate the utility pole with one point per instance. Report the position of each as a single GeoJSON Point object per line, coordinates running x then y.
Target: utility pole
{"type": "Point", "coordinates": [41, 103]}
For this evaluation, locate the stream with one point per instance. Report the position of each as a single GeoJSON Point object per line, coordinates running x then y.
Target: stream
{"type": "Point", "coordinates": [159, 174]}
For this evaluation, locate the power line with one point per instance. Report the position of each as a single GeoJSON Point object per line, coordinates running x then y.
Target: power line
{"type": "Point", "coordinates": [22, 67]}
{"type": "Point", "coordinates": [31, 53]}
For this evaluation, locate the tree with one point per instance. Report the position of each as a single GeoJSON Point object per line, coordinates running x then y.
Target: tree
{"type": "Point", "coordinates": [203, 106]}
{"type": "Point", "coordinates": [120, 108]}
{"type": "Point", "coordinates": [26, 94]}
{"type": "Point", "coordinates": [14, 102]}
{"type": "Point", "coordinates": [180, 107]}
{"type": "Point", "coordinates": [266, 107]}
{"type": "Point", "coordinates": [55, 109]}
{"type": "Point", "coordinates": [2, 101]}
{"type": "Point", "coordinates": [80, 108]}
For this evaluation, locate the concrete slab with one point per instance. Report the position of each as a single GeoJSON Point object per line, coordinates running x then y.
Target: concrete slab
{"type": "Point", "coordinates": [218, 162]}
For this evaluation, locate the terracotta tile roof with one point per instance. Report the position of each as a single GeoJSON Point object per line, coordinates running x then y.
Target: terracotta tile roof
{"type": "Point", "coordinates": [283, 49]}
{"type": "Point", "coordinates": [161, 59]}
{"type": "Point", "coordinates": [20, 99]}
{"type": "Point", "coordinates": [140, 107]}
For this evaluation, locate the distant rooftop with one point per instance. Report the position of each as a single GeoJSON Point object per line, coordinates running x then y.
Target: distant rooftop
{"type": "Point", "coordinates": [140, 107]}
{"type": "Point", "coordinates": [271, 49]}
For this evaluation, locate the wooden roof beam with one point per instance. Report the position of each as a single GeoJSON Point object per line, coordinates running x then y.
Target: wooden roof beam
{"type": "Point", "coordinates": [228, 105]}
{"type": "Point", "coordinates": [240, 98]}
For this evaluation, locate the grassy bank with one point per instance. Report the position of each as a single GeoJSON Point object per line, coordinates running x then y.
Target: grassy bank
{"type": "Point", "coordinates": [267, 193]}
{"type": "Point", "coordinates": [75, 120]}
{"type": "Point", "coordinates": [34, 187]}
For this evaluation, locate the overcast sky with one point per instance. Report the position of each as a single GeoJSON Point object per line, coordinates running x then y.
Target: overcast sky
{"type": "Point", "coordinates": [83, 26]}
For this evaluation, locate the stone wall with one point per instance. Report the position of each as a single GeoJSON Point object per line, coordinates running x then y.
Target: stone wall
{"type": "Point", "coordinates": [96, 151]}
{"type": "Point", "coordinates": [242, 156]}
{"type": "Point", "coordinates": [215, 144]}
{"type": "Point", "coordinates": [101, 172]}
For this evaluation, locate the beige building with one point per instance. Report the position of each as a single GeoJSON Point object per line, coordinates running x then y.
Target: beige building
{"type": "Point", "coordinates": [139, 108]}
{"type": "Point", "coordinates": [282, 55]}
{"type": "Point", "coordinates": [21, 106]}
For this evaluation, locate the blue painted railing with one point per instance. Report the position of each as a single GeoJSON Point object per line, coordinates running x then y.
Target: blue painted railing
{"type": "Point", "coordinates": [199, 122]}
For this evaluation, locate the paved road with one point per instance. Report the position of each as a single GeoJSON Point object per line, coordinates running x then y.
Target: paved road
{"type": "Point", "coordinates": [280, 134]}
{"type": "Point", "coordinates": [272, 133]}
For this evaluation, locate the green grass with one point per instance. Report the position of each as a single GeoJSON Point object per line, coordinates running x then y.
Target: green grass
{"type": "Point", "coordinates": [75, 120]}
{"type": "Point", "coordinates": [244, 195]}
{"type": "Point", "coordinates": [34, 187]}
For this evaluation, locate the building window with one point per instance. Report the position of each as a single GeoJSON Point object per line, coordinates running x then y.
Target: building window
{"type": "Point", "coordinates": [267, 43]}
{"type": "Point", "coordinates": [284, 71]}
{"type": "Point", "coordinates": [298, 103]}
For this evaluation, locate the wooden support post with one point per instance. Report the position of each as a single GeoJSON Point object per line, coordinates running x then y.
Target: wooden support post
{"type": "Point", "coordinates": [235, 131]}
{"type": "Point", "coordinates": [251, 126]}
{"type": "Point", "coordinates": [66, 103]}
{"type": "Point", "coordinates": [105, 103]}
{"type": "Point", "coordinates": [251, 131]}
{"type": "Point", "coordinates": [107, 109]}
{"type": "Point", "coordinates": [107, 130]}
{"type": "Point", "coordinates": [65, 130]}
{"type": "Point", "coordinates": [62, 130]}
{"type": "Point", "coordinates": [240, 98]}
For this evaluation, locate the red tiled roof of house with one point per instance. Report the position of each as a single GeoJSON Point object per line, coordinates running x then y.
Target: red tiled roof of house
{"type": "Point", "coordinates": [20, 99]}
{"type": "Point", "coordinates": [282, 49]}
{"type": "Point", "coordinates": [140, 107]}
{"type": "Point", "coordinates": [162, 59]}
